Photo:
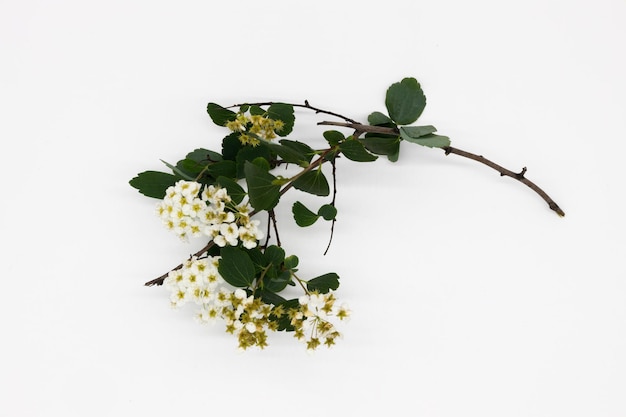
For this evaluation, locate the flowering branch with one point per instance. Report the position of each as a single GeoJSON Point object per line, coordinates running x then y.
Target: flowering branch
{"type": "Point", "coordinates": [214, 196]}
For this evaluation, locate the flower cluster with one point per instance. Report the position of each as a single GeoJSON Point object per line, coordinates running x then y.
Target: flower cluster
{"type": "Point", "coordinates": [254, 127]}
{"type": "Point", "coordinates": [190, 211]}
{"type": "Point", "coordinates": [198, 281]}
{"type": "Point", "coordinates": [311, 319]}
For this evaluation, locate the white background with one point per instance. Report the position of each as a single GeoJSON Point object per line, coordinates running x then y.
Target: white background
{"type": "Point", "coordinates": [469, 296]}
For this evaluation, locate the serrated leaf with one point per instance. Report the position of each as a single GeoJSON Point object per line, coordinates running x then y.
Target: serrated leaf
{"type": "Point", "coordinates": [236, 267]}
{"type": "Point", "coordinates": [284, 113]}
{"type": "Point", "coordinates": [327, 211]}
{"type": "Point", "coordinates": [219, 114]}
{"type": "Point", "coordinates": [313, 182]}
{"type": "Point", "coordinates": [153, 183]}
{"type": "Point", "coordinates": [235, 191]}
{"type": "Point", "coordinates": [355, 151]}
{"type": "Point", "coordinates": [405, 101]}
{"type": "Point", "coordinates": [262, 191]}
{"type": "Point", "coordinates": [377, 118]}
{"type": "Point", "coordinates": [429, 140]}
{"type": "Point", "coordinates": [324, 283]}
{"type": "Point", "coordinates": [418, 131]}
{"type": "Point", "coordinates": [302, 215]}
{"type": "Point", "coordinates": [333, 137]}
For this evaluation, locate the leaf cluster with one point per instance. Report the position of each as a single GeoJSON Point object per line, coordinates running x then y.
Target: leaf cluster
{"type": "Point", "coordinates": [246, 171]}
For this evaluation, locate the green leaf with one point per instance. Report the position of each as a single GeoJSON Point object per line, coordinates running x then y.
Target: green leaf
{"type": "Point", "coordinates": [327, 211]}
{"type": "Point", "coordinates": [204, 156]}
{"type": "Point", "coordinates": [429, 140]}
{"type": "Point", "coordinates": [377, 118]}
{"type": "Point", "coordinates": [418, 131]}
{"type": "Point", "coordinates": [381, 145]}
{"type": "Point", "coordinates": [219, 114]}
{"type": "Point", "coordinates": [275, 255]}
{"type": "Point", "coordinates": [231, 146]}
{"type": "Point", "coordinates": [270, 297]}
{"type": "Point", "coordinates": [236, 267]}
{"type": "Point", "coordinates": [179, 171]}
{"type": "Point", "coordinates": [223, 168]}
{"type": "Point", "coordinates": [302, 215]}
{"type": "Point", "coordinates": [153, 183]}
{"type": "Point", "coordinates": [354, 150]}
{"type": "Point", "coordinates": [256, 110]}
{"type": "Point", "coordinates": [333, 137]}
{"type": "Point", "coordinates": [299, 147]}
{"type": "Point", "coordinates": [405, 101]}
{"type": "Point", "coordinates": [190, 167]}
{"type": "Point", "coordinates": [291, 262]}
{"type": "Point", "coordinates": [250, 153]}
{"type": "Point", "coordinates": [287, 153]}
{"type": "Point", "coordinates": [324, 283]}
{"type": "Point", "coordinates": [313, 182]}
{"type": "Point", "coordinates": [263, 193]}
{"type": "Point", "coordinates": [278, 283]}
{"type": "Point", "coordinates": [284, 113]}
{"type": "Point", "coordinates": [394, 156]}
{"type": "Point", "coordinates": [235, 191]}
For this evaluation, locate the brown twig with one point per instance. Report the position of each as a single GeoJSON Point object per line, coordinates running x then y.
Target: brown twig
{"type": "Point", "coordinates": [519, 176]}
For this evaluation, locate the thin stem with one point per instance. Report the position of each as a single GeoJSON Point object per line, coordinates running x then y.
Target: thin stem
{"type": "Point", "coordinates": [519, 176]}
{"type": "Point", "coordinates": [359, 129]}
{"type": "Point", "coordinates": [273, 219]}
{"type": "Point", "coordinates": [332, 225]}
{"type": "Point", "coordinates": [306, 105]}
{"type": "Point", "coordinates": [159, 280]}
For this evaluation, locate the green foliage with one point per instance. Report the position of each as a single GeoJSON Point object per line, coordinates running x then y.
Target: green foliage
{"type": "Point", "coordinates": [302, 215]}
{"type": "Point", "coordinates": [153, 183]}
{"type": "Point", "coordinates": [284, 113]}
{"type": "Point", "coordinates": [313, 182]}
{"type": "Point", "coordinates": [354, 150]}
{"type": "Point", "coordinates": [334, 137]}
{"type": "Point", "coordinates": [378, 119]}
{"type": "Point", "coordinates": [422, 135]}
{"type": "Point", "coordinates": [248, 169]}
{"type": "Point", "coordinates": [324, 283]}
{"type": "Point", "coordinates": [262, 190]}
{"type": "Point", "coordinates": [305, 217]}
{"type": "Point", "coordinates": [236, 267]}
{"type": "Point", "coordinates": [405, 101]}
{"type": "Point", "coordinates": [381, 145]}
{"type": "Point", "coordinates": [328, 212]}
{"type": "Point", "coordinates": [235, 191]}
{"type": "Point", "coordinates": [299, 147]}
{"type": "Point", "coordinates": [219, 114]}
